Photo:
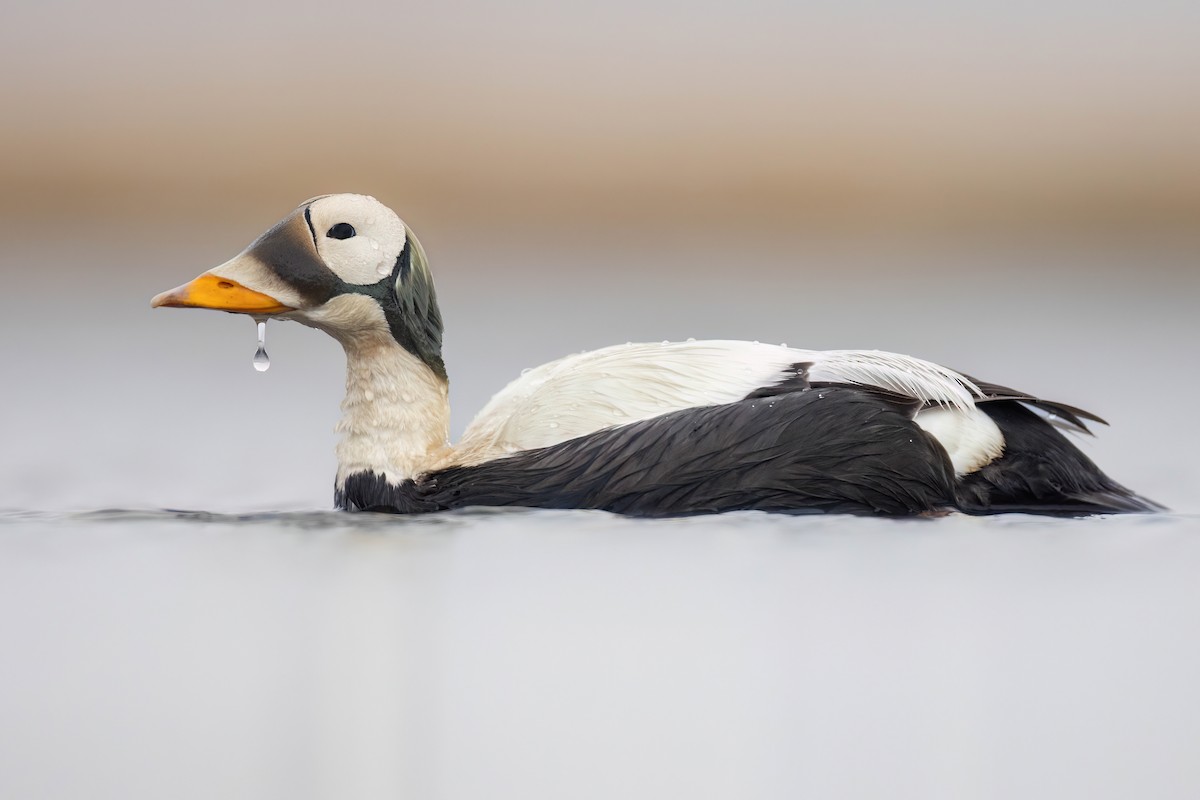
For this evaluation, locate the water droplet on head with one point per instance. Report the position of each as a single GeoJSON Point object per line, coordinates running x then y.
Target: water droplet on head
{"type": "Point", "coordinates": [374, 245]}
{"type": "Point", "coordinates": [691, 338]}
{"type": "Point", "coordinates": [553, 424]}
{"type": "Point", "coordinates": [783, 344]}
{"type": "Point", "coordinates": [261, 361]}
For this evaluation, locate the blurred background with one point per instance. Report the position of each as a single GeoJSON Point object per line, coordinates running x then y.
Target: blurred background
{"type": "Point", "coordinates": [854, 116]}
{"type": "Point", "coordinates": [1011, 189]}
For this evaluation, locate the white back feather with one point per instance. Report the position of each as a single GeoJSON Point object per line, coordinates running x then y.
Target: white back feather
{"type": "Point", "coordinates": [584, 393]}
{"type": "Point", "coordinates": [904, 375]}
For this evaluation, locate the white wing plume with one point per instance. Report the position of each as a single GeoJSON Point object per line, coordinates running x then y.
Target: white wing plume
{"type": "Point", "coordinates": [584, 393]}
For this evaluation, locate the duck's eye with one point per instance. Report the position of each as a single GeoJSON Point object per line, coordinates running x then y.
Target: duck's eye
{"type": "Point", "coordinates": [343, 230]}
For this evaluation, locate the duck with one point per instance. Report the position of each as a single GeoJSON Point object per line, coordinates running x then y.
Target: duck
{"type": "Point", "coordinates": [642, 429]}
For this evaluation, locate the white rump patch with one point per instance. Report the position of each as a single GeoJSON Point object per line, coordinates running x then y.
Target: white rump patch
{"type": "Point", "coordinates": [971, 438]}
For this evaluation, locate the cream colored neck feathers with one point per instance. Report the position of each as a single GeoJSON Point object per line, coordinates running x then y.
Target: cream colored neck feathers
{"type": "Point", "coordinates": [396, 414]}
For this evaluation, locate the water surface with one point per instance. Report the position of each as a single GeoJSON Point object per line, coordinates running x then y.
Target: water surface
{"type": "Point", "coordinates": [576, 654]}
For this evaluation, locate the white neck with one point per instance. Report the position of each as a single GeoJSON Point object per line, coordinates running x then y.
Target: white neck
{"type": "Point", "coordinates": [396, 418]}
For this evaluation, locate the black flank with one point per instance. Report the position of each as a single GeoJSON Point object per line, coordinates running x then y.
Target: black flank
{"type": "Point", "coordinates": [838, 449]}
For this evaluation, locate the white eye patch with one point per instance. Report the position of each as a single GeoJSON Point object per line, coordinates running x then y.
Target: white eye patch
{"type": "Point", "coordinates": [357, 237]}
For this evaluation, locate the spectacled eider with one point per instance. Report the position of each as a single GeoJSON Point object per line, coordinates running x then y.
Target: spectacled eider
{"type": "Point", "coordinates": [642, 429]}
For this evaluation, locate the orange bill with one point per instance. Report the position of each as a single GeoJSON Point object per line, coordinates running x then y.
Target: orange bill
{"type": "Point", "coordinates": [222, 294]}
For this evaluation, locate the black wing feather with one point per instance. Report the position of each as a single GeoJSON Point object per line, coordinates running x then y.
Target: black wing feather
{"type": "Point", "coordinates": [838, 449]}
{"type": "Point", "coordinates": [1041, 472]}
{"type": "Point", "coordinates": [1069, 414]}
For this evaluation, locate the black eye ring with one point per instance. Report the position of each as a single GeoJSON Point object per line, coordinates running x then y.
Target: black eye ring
{"type": "Point", "coordinates": [343, 230]}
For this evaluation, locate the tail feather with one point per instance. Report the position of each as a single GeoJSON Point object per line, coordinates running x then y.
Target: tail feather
{"type": "Point", "coordinates": [1041, 472]}
{"type": "Point", "coordinates": [1073, 417]}
{"type": "Point", "coordinates": [1121, 501]}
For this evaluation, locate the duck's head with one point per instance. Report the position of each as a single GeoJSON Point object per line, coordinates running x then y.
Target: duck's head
{"type": "Point", "coordinates": [343, 263]}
